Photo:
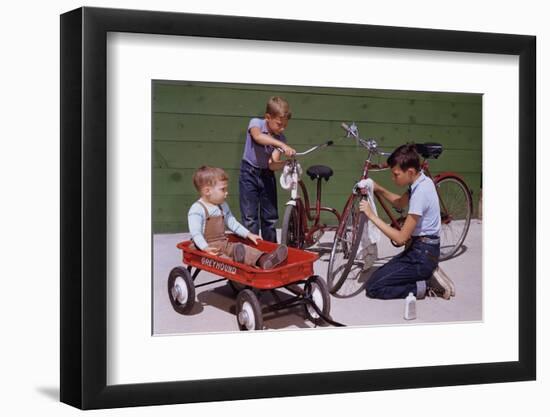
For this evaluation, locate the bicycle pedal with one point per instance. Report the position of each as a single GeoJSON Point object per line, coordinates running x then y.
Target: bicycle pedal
{"type": "Point", "coordinates": [317, 235]}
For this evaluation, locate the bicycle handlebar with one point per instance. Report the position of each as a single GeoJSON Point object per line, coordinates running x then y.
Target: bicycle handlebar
{"type": "Point", "coordinates": [322, 145]}
{"type": "Point", "coordinates": [350, 130]}
{"type": "Point", "coordinates": [370, 144]}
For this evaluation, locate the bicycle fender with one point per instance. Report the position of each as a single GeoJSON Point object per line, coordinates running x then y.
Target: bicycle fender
{"type": "Point", "coordinates": [447, 174]}
{"type": "Point", "coordinates": [291, 203]}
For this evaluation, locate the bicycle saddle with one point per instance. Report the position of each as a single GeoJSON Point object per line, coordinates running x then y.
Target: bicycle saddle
{"type": "Point", "coordinates": [319, 171]}
{"type": "Point", "coordinates": [429, 149]}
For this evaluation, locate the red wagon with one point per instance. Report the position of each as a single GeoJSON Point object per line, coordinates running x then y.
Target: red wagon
{"type": "Point", "coordinates": [295, 274]}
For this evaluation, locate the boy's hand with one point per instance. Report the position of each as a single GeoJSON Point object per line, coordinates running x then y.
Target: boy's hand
{"type": "Point", "coordinates": [212, 251]}
{"type": "Point", "coordinates": [288, 150]}
{"type": "Point", "coordinates": [254, 238]}
{"type": "Point", "coordinates": [365, 207]}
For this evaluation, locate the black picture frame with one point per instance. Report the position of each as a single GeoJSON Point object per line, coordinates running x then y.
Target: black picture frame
{"type": "Point", "coordinates": [84, 207]}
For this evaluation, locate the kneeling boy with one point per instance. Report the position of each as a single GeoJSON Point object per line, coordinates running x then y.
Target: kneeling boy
{"type": "Point", "coordinates": [410, 271]}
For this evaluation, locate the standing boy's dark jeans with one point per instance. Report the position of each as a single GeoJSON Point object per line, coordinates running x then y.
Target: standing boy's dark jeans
{"type": "Point", "coordinates": [405, 273]}
{"type": "Point", "coordinates": [258, 200]}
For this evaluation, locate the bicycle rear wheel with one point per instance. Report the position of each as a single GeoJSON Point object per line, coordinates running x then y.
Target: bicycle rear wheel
{"type": "Point", "coordinates": [345, 245]}
{"type": "Point", "coordinates": [456, 207]}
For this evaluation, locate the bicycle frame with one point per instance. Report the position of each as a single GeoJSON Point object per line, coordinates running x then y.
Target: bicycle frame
{"type": "Point", "coordinates": [347, 207]}
{"type": "Point", "coordinates": [311, 214]}
{"type": "Point", "coordinates": [318, 208]}
{"type": "Point", "coordinates": [395, 222]}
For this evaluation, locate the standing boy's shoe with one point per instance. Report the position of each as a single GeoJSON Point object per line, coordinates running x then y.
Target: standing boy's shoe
{"type": "Point", "coordinates": [436, 285]}
{"type": "Point", "coordinates": [239, 252]}
{"type": "Point", "coordinates": [273, 259]}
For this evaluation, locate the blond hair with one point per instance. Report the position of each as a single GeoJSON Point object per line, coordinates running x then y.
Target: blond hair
{"type": "Point", "coordinates": [278, 107]}
{"type": "Point", "coordinates": [207, 176]}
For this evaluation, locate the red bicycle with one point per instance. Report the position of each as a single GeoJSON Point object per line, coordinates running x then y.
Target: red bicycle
{"type": "Point", "coordinates": [455, 200]}
{"type": "Point", "coordinates": [302, 225]}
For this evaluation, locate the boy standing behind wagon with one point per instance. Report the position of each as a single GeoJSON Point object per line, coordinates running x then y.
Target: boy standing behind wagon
{"type": "Point", "coordinates": [257, 184]}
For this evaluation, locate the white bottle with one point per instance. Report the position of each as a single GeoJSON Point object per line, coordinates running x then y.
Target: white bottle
{"type": "Point", "coordinates": [410, 307]}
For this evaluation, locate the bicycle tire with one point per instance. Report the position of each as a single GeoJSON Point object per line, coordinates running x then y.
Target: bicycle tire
{"type": "Point", "coordinates": [353, 253]}
{"type": "Point", "coordinates": [455, 223]}
{"type": "Point", "coordinates": [290, 231]}
{"type": "Point", "coordinates": [337, 274]}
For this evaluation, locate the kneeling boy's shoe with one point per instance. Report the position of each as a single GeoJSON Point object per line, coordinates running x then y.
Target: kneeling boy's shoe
{"type": "Point", "coordinates": [439, 287]}
{"type": "Point", "coordinates": [273, 259]}
{"type": "Point", "coordinates": [443, 276]}
{"type": "Point", "coordinates": [239, 252]}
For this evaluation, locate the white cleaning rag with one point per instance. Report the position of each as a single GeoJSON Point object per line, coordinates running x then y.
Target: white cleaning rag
{"type": "Point", "coordinates": [368, 248]}
{"type": "Point", "coordinates": [287, 178]}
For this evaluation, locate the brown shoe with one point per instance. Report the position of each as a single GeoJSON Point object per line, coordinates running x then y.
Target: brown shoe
{"type": "Point", "coordinates": [438, 287]}
{"type": "Point", "coordinates": [273, 259]}
{"type": "Point", "coordinates": [239, 252]}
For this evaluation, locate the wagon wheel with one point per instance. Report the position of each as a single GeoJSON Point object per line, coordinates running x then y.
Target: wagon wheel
{"type": "Point", "coordinates": [181, 290]}
{"type": "Point", "coordinates": [249, 311]}
{"type": "Point", "coordinates": [316, 289]}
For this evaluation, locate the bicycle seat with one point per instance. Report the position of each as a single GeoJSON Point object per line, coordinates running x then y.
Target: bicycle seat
{"type": "Point", "coordinates": [429, 149]}
{"type": "Point", "coordinates": [319, 171]}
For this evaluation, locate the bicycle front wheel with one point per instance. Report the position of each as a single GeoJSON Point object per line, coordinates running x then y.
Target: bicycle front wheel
{"type": "Point", "coordinates": [290, 232]}
{"type": "Point", "coordinates": [345, 245]}
{"type": "Point", "coordinates": [456, 206]}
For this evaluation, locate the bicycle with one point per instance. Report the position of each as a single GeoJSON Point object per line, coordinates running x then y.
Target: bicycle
{"type": "Point", "coordinates": [455, 201]}
{"type": "Point", "coordinates": [302, 225]}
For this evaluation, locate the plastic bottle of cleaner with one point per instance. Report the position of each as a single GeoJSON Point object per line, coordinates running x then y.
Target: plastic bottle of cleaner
{"type": "Point", "coordinates": [410, 307]}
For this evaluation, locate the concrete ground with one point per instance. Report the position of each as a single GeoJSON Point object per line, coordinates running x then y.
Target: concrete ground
{"type": "Point", "coordinates": [214, 310]}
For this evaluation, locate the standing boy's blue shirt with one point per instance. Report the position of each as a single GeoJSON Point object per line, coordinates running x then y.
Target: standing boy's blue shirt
{"type": "Point", "coordinates": [424, 202]}
{"type": "Point", "coordinates": [255, 154]}
{"type": "Point", "coordinates": [196, 219]}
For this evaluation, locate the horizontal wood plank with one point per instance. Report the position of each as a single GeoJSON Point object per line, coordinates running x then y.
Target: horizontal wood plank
{"type": "Point", "coordinates": [465, 97]}
{"type": "Point", "coordinates": [302, 133]}
{"type": "Point", "coordinates": [250, 103]}
{"type": "Point", "coordinates": [338, 157]}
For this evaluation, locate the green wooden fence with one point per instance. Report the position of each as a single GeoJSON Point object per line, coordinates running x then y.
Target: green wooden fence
{"type": "Point", "coordinates": [205, 123]}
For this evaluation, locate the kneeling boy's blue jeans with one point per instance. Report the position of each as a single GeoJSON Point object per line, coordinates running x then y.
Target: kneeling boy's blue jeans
{"type": "Point", "coordinates": [405, 273]}
{"type": "Point", "coordinates": [258, 200]}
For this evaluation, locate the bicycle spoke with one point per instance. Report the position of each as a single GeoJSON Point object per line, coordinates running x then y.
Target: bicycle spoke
{"type": "Point", "coordinates": [346, 240]}
{"type": "Point", "coordinates": [450, 233]}
{"type": "Point", "coordinates": [455, 202]}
